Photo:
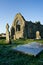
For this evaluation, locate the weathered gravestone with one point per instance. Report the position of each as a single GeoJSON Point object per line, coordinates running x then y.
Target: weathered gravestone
{"type": "Point", "coordinates": [7, 34]}
{"type": "Point", "coordinates": [38, 35]}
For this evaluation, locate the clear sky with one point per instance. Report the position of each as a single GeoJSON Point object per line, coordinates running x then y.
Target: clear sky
{"type": "Point", "coordinates": [30, 9]}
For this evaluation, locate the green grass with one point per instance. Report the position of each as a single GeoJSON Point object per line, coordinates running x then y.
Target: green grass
{"type": "Point", "coordinates": [2, 41]}
{"type": "Point", "coordinates": [10, 57]}
{"type": "Point", "coordinates": [27, 41]}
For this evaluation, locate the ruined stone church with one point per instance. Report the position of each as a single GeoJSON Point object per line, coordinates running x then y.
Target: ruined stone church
{"type": "Point", "coordinates": [24, 29]}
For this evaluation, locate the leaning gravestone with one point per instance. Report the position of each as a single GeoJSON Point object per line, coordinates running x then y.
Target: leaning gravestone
{"type": "Point", "coordinates": [7, 34]}
{"type": "Point", "coordinates": [38, 35]}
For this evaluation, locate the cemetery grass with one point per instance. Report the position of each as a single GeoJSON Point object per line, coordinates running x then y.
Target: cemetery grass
{"type": "Point", "coordinates": [11, 57]}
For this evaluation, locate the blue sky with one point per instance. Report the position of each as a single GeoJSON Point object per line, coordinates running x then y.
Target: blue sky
{"type": "Point", "coordinates": [30, 9]}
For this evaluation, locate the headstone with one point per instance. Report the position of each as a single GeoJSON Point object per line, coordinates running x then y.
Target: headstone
{"type": "Point", "coordinates": [38, 35]}
{"type": "Point", "coordinates": [7, 34]}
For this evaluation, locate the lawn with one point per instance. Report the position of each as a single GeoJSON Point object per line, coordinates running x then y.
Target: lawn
{"type": "Point", "coordinates": [10, 57]}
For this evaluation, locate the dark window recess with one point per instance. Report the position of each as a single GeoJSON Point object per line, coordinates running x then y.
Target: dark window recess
{"type": "Point", "coordinates": [12, 32]}
{"type": "Point", "coordinates": [17, 27]}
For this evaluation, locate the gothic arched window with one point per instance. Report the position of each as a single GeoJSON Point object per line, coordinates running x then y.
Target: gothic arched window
{"type": "Point", "coordinates": [18, 26]}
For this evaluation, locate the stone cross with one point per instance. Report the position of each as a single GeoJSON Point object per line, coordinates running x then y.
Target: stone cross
{"type": "Point", "coordinates": [7, 34]}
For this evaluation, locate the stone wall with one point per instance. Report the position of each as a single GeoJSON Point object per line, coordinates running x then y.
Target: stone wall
{"type": "Point", "coordinates": [27, 29]}
{"type": "Point", "coordinates": [18, 34]}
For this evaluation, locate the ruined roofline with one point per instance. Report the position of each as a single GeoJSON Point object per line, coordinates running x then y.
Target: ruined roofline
{"type": "Point", "coordinates": [30, 22]}
{"type": "Point", "coordinates": [26, 22]}
{"type": "Point", "coordinates": [21, 16]}
{"type": "Point", "coordinates": [17, 16]}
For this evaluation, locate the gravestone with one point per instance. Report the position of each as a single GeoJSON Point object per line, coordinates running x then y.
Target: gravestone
{"type": "Point", "coordinates": [33, 48]}
{"type": "Point", "coordinates": [7, 34]}
{"type": "Point", "coordinates": [38, 35]}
